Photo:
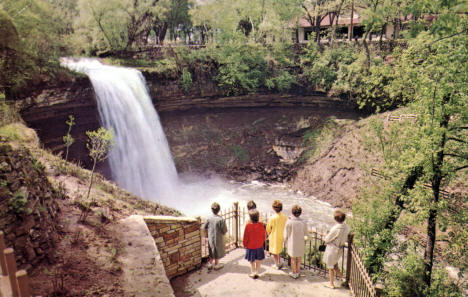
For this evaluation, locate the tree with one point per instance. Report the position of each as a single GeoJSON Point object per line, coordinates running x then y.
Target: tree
{"type": "Point", "coordinates": [68, 139]}
{"type": "Point", "coordinates": [29, 43]}
{"type": "Point", "coordinates": [264, 21]}
{"type": "Point", "coordinates": [425, 157]}
{"type": "Point", "coordinates": [438, 72]}
{"type": "Point", "coordinates": [99, 145]}
{"type": "Point", "coordinates": [115, 25]}
{"type": "Point", "coordinates": [178, 18]}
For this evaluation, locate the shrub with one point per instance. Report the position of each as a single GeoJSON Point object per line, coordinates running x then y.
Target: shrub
{"type": "Point", "coordinates": [186, 80]}
{"type": "Point", "coordinates": [242, 68]}
{"type": "Point", "coordinates": [407, 279]}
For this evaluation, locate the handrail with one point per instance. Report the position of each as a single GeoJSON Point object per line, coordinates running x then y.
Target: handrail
{"type": "Point", "coordinates": [357, 277]}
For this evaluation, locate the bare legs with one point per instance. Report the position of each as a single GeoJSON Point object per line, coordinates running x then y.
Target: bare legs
{"type": "Point", "coordinates": [255, 268]}
{"type": "Point", "coordinates": [332, 272]}
{"type": "Point", "coordinates": [210, 260]}
{"type": "Point", "coordinates": [277, 259]}
{"type": "Point", "coordinates": [295, 267]}
{"type": "Point", "coordinates": [258, 264]}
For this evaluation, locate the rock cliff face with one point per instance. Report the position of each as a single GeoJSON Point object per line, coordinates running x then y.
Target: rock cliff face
{"type": "Point", "coordinates": [48, 109]}
{"type": "Point", "coordinates": [251, 137]}
{"type": "Point", "coordinates": [26, 196]}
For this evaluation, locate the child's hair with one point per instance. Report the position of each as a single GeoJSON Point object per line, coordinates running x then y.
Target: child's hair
{"type": "Point", "coordinates": [254, 214]}
{"type": "Point", "coordinates": [277, 205]}
{"type": "Point", "coordinates": [215, 208]}
{"type": "Point", "coordinates": [296, 210]}
{"type": "Point", "coordinates": [339, 216]}
{"type": "Point", "coordinates": [251, 205]}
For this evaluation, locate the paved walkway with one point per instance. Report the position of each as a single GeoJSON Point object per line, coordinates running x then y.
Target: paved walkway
{"type": "Point", "coordinates": [233, 280]}
{"type": "Point", "coordinates": [143, 273]}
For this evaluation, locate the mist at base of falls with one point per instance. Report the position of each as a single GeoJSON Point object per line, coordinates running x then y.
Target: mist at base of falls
{"type": "Point", "coordinates": [197, 193]}
{"type": "Point", "coordinates": [141, 161]}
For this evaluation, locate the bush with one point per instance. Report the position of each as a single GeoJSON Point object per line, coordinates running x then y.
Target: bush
{"type": "Point", "coordinates": [186, 80]}
{"type": "Point", "coordinates": [242, 68]}
{"type": "Point", "coordinates": [407, 279]}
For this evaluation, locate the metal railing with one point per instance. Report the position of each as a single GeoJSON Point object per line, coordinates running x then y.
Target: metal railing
{"type": "Point", "coordinates": [351, 265]}
{"type": "Point", "coordinates": [18, 282]}
{"type": "Point", "coordinates": [357, 278]}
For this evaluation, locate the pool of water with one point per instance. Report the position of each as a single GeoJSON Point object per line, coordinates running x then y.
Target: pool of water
{"type": "Point", "coordinates": [196, 195]}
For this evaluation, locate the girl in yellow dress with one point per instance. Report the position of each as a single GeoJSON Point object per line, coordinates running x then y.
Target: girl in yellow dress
{"type": "Point", "coordinates": [275, 231]}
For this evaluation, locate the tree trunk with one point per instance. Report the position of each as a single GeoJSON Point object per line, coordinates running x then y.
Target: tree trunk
{"type": "Point", "coordinates": [389, 223]}
{"type": "Point", "coordinates": [91, 180]}
{"type": "Point", "coordinates": [436, 182]}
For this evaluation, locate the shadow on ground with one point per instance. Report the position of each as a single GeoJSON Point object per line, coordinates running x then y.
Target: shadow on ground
{"type": "Point", "coordinates": [234, 280]}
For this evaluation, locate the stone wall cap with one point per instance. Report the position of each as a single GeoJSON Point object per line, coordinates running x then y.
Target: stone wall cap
{"type": "Point", "coordinates": [169, 218]}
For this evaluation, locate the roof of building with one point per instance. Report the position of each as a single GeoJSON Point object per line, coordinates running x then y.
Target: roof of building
{"type": "Point", "coordinates": [303, 22]}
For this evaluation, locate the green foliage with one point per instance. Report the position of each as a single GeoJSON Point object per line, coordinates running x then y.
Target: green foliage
{"type": "Point", "coordinates": [32, 38]}
{"type": "Point", "coordinates": [240, 153]}
{"type": "Point", "coordinates": [99, 143]}
{"type": "Point", "coordinates": [18, 202]}
{"type": "Point", "coordinates": [8, 113]}
{"type": "Point", "coordinates": [242, 68]}
{"type": "Point", "coordinates": [442, 285]}
{"type": "Point", "coordinates": [407, 279]}
{"type": "Point", "coordinates": [114, 25]}
{"type": "Point", "coordinates": [186, 80]}
{"type": "Point", "coordinates": [315, 139]}
{"type": "Point", "coordinates": [68, 139]}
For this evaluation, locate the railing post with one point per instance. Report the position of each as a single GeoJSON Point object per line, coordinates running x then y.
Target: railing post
{"type": "Point", "coordinates": [2, 257]}
{"type": "Point", "coordinates": [349, 259]}
{"type": "Point", "coordinates": [23, 283]}
{"type": "Point", "coordinates": [11, 267]}
{"type": "Point", "coordinates": [236, 221]}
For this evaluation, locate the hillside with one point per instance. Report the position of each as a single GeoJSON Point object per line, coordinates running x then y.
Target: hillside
{"type": "Point", "coordinates": [44, 195]}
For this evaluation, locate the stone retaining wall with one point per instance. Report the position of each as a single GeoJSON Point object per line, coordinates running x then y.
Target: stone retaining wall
{"type": "Point", "coordinates": [28, 206]}
{"type": "Point", "coordinates": [178, 240]}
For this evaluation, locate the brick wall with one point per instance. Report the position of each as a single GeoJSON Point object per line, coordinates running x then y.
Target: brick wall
{"type": "Point", "coordinates": [178, 241]}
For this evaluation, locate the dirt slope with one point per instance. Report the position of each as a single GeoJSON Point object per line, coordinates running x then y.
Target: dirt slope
{"type": "Point", "coordinates": [85, 259]}
{"type": "Point", "coordinates": [335, 171]}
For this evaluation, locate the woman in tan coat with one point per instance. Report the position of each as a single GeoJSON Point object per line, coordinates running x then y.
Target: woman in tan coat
{"type": "Point", "coordinates": [335, 241]}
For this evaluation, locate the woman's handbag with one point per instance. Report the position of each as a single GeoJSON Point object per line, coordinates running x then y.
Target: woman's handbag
{"type": "Point", "coordinates": [322, 248]}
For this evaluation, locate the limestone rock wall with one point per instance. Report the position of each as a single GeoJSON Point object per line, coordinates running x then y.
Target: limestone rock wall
{"type": "Point", "coordinates": [47, 111]}
{"type": "Point", "coordinates": [28, 206]}
{"type": "Point", "coordinates": [178, 240]}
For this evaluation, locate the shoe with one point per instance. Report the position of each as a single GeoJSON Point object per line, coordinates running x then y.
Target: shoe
{"type": "Point", "coordinates": [209, 266]}
{"type": "Point", "coordinates": [252, 275]}
{"type": "Point", "coordinates": [329, 286]}
{"type": "Point", "coordinates": [296, 275]}
{"type": "Point", "coordinates": [218, 266]}
{"type": "Point", "coordinates": [279, 266]}
{"type": "Point", "coordinates": [291, 274]}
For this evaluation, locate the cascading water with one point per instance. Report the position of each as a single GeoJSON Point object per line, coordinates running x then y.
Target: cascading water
{"type": "Point", "coordinates": [140, 160]}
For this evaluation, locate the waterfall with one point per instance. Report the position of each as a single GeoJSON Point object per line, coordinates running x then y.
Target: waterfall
{"type": "Point", "coordinates": [140, 160]}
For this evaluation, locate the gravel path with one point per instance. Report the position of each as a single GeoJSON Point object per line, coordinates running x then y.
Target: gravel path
{"type": "Point", "coordinates": [233, 280]}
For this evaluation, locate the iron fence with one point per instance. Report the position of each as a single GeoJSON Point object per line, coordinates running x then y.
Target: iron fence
{"type": "Point", "coordinates": [351, 265]}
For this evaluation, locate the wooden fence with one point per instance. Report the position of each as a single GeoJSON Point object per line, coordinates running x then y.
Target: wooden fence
{"type": "Point", "coordinates": [357, 277]}
{"type": "Point", "coordinates": [13, 283]}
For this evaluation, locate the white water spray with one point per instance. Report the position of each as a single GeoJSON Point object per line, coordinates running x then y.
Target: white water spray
{"type": "Point", "coordinates": [140, 160]}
